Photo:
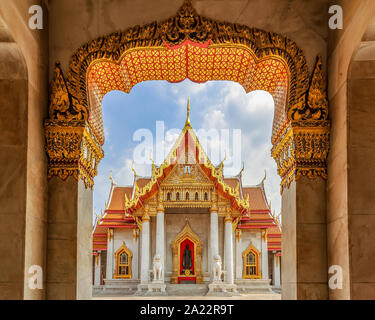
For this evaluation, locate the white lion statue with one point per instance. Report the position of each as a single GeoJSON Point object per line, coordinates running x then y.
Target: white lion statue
{"type": "Point", "coordinates": [158, 268]}
{"type": "Point", "coordinates": [216, 269]}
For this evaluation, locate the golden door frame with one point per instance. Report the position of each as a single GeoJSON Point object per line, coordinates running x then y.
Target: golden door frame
{"type": "Point", "coordinates": [185, 233]}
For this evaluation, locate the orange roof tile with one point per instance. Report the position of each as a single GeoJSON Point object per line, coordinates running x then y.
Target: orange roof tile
{"type": "Point", "coordinates": [117, 201]}
{"type": "Point", "coordinates": [256, 198]}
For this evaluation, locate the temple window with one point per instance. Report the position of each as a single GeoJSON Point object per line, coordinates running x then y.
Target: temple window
{"type": "Point", "coordinates": [123, 262]}
{"type": "Point", "coordinates": [196, 196]}
{"type": "Point", "coordinates": [251, 266]}
{"type": "Point", "coordinates": [205, 196]}
{"type": "Point", "coordinates": [251, 263]}
{"type": "Point", "coordinates": [168, 196]}
{"type": "Point", "coordinates": [187, 196]}
{"type": "Point", "coordinates": [177, 196]}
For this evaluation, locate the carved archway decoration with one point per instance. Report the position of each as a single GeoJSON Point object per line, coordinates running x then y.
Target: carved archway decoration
{"type": "Point", "coordinates": [187, 233]}
{"type": "Point", "coordinates": [190, 46]}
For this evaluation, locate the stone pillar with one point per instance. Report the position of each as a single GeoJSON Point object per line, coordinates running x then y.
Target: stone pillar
{"type": "Point", "coordinates": [160, 235]}
{"type": "Point", "coordinates": [110, 253]}
{"type": "Point", "coordinates": [69, 240]}
{"type": "Point", "coordinates": [264, 256]}
{"type": "Point", "coordinates": [145, 249]}
{"type": "Point", "coordinates": [98, 270]}
{"type": "Point", "coordinates": [73, 156]}
{"type": "Point", "coordinates": [228, 249]}
{"type": "Point", "coordinates": [276, 270]}
{"type": "Point", "coordinates": [301, 153]}
{"type": "Point", "coordinates": [304, 240]}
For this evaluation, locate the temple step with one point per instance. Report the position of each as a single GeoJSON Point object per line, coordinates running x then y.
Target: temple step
{"type": "Point", "coordinates": [187, 289]}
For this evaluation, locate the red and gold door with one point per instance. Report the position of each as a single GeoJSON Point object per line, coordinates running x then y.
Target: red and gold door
{"type": "Point", "coordinates": [187, 262]}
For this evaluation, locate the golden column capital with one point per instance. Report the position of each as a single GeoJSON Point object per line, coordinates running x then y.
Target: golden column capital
{"type": "Point", "coordinates": [228, 216]}
{"type": "Point", "coordinates": [72, 150]}
{"type": "Point", "coordinates": [214, 207]}
{"type": "Point", "coordinates": [146, 216]}
{"type": "Point", "coordinates": [302, 150]}
{"type": "Point", "coordinates": [160, 206]}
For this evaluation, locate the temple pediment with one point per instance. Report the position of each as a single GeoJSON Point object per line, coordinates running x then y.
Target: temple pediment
{"type": "Point", "coordinates": [186, 174]}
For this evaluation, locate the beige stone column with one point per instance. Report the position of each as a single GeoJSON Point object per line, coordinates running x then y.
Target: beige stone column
{"type": "Point", "coordinates": [74, 154]}
{"type": "Point", "coordinates": [301, 153]}
{"type": "Point", "coordinates": [304, 240]}
{"type": "Point", "coordinates": [13, 172]}
{"type": "Point", "coordinates": [69, 240]}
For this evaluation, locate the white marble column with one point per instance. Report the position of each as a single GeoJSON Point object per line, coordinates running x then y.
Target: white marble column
{"type": "Point", "coordinates": [264, 255]}
{"type": "Point", "coordinates": [214, 234]}
{"type": "Point", "coordinates": [276, 270]}
{"type": "Point", "coordinates": [228, 249]}
{"type": "Point", "coordinates": [110, 258]}
{"type": "Point", "coordinates": [145, 249]}
{"type": "Point", "coordinates": [98, 270]}
{"type": "Point", "coordinates": [160, 236]}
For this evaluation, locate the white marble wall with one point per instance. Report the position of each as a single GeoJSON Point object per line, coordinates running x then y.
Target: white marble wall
{"type": "Point", "coordinates": [126, 235]}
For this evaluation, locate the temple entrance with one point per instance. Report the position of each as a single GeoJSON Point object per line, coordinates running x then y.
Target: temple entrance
{"type": "Point", "coordinates": [187, 257]}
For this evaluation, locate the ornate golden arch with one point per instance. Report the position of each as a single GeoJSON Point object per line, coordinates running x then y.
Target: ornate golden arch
{"type": "Point", "coordinates": [301, 107]}
{"type": "Point", "coordinates": [120, 250]}
{"type": "Point", "coordinates": [255, 251]}
{"type": "Point", "coordinates": [186, 232]}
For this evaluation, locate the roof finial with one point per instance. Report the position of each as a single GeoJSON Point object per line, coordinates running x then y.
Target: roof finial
{"type": "Point", "coordinates": [187, 123]}
{"type": "Point", "coordinates": [265, 176]}
{"type": "Point", "coordinates": [134, 172]}
{"type": "Point", "coordinates": [110, 177]}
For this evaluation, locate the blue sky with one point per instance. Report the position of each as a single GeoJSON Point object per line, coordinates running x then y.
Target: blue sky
{"type": "Point", "coordinates": [213, 105]}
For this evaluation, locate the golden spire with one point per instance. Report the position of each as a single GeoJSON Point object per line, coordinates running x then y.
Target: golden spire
{"type": "Point", "coordinates": [187, 123]}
